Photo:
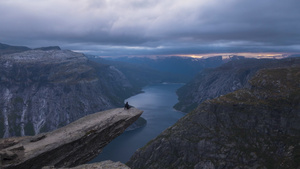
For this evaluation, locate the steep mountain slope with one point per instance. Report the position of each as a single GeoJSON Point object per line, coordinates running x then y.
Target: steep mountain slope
{"type": "Point", "coordinates": [256, 127]}
{"type": "Point", "coordinates": [8, 49]}
{"type": "Point", "coordinates": [43, 90]}
{"type": "Point", "coordinates": [211, 83]}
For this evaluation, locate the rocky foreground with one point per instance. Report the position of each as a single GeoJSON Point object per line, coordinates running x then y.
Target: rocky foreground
{"type": "Point", "coordinates": [101, 165]}
{"type": "Point", "coordinates": [255, 127]}
{"type": "Point", "coordinates": [69, 146]}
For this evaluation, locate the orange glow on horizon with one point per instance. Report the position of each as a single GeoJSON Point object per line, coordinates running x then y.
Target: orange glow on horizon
{"type": "Point", "coordinates": [269, 55]}
{"type": "Point", "coordinates": [262, 55]}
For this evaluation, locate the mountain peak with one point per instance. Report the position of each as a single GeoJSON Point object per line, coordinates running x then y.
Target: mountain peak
{"type": "Point", "coordinates": [8, 49]}
{"type": "Point", "coordinates": [38, 56]}
{"type": "Point", "coordinates": [48, 48]}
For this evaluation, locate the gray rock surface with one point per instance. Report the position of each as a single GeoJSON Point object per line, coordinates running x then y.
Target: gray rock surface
{"type": "Point", "coordinates": [43, 90]}
{"type": "Point", "coordinates": [101, 165]}
{"type": "Point", "coordinates": [255, 127]}
{"type": "Point", "coordinates": [70, 145]}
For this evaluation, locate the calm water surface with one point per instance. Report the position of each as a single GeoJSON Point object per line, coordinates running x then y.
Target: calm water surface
{"type": "Point", "coordinates": [157, 102]}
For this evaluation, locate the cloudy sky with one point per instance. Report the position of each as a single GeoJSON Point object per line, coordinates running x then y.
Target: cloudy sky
{"type": "Point", "coordinates": [153, 27]}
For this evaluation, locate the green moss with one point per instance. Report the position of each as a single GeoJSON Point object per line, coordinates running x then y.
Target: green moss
{"type": "Point", "coordinates": [44, 129]}
{"type": "Point", "coordinates": [296, 154]}
{"type": "Point", "coordinates": [90, 132]}
{"type": "Point", "coordinates": [1, 125]}
{"type": "Point", "coordinates": [29, 129]}
{"type": "Point", "coordinates": [62, 124]}
{"type": "Point", "coordinates": [18, 100]}
{"type": "Point", "coordinates": [13, 117]}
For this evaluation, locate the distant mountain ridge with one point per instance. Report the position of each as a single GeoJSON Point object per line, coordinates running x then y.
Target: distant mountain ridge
{"type": "Point", "coordinates": [139, 75]}
{"type": "Point", "coordinates": [229, 77]}
{"type": "Point", "coordinates": [48, 48]}
{"type": "Point", "coordinates": [181, 69]}
{"type": "Point", "coordinates": [8, 49]}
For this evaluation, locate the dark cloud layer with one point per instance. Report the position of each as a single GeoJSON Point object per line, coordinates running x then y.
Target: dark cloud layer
{"type": "Point", "coordinates": [141, 27]}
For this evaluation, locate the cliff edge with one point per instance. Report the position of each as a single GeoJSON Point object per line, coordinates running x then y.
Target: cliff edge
{"type": "Point", "coordinates": [68, 146]}
{"type": "Point", "coordinates": [255, 127]}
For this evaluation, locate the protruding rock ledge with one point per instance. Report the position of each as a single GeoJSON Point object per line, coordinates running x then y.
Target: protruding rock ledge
{"type": "Point", "coordinates": [101, 165]}
{"type": "Point", "coordinates": [68, 146]}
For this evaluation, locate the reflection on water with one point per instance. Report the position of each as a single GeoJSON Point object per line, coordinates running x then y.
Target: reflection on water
{"type": "Point", "coordinates": [157, 102]}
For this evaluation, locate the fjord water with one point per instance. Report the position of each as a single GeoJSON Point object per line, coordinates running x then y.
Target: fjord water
{"type": "Point", "coordinates": [157, 102]}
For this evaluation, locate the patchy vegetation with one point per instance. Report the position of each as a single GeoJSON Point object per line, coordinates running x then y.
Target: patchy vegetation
{"type": "Point", "coordinates": [254, 127]}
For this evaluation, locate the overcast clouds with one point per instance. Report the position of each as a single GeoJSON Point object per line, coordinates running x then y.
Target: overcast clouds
{"type": "Point", "coordinates": [133, 27]}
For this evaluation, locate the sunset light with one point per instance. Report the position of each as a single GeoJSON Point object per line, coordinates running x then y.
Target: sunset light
{"type": "Point", "coordinates": [247, 55]}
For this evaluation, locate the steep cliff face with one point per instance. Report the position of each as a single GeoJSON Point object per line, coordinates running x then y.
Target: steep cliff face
{"type": "Point", "coordinates": [212, 83]}
{"type": "Point", "coordinates": [69, 146]}
{"type": "Point", "coordinates": [256, 127]}
{"type": "Point", "coordinates": [43, 90]}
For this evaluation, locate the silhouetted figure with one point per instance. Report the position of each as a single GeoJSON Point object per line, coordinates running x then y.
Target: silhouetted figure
{"type": "Point", "coordinates": [126, 106]}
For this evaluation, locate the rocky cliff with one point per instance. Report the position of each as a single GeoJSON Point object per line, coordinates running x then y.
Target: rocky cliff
{"type": "Point", "coordinates": [69, 146]}
{"type": "Point", "coordinates": [101, 165]}
{"type": "Point", "coordinates": [212, 83]}
{"type": "Point", "coordinates": [42, 90]}
{"type": "Point", "coordinates": [255, 127]}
